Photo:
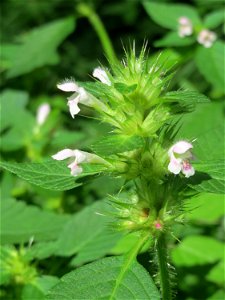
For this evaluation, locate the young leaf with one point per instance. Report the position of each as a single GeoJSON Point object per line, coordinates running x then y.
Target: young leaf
{"type": "Point", "coordinates": [186, 100]}
{"type": "Point", "coordinates": [51, 174]}
{"type": "Point", "coordinates": [117, 144]}
{"type": "Point", "coordinates": [167, 15]}
{"type": "Point", "coordinates": [20, 222]}
{"type": "Point", "coordinates": [40, 46]}
{"type": "Point", "coordinates": [109, 278]}
{"type": "Point", "coordinates": [197, 250]}
{"type": "Point", "coordinates": [88, 235]}
{"type": "Point", "coordinates": [213, 71]}
{"type": "Point", "coordinates": [172, 39]}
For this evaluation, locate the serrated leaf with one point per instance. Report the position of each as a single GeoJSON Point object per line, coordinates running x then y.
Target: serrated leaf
{"type": "Point", "coordinates": [197, 250]}
{"type": "Point", "coordinates": [172, 39]}
{"type": "Point", "coordinates": [167, 15]}
{"type": "Point", "coordinates": [40, 46]}
{"type": "Point", "coordinates": [215, 182]}
{"type": "Point", "coordinates": [21, 222]}
{"type": "Point", "coordinates": [213, 71]}
{"type": "Point", "coordinates": [109, 278]}
{"type": "Point", "coordinates": [51, 174]}
{"type": "Point", "coordinates": [88, 235]}
{"type": "Point", "coordinates": [117, 144]}
{"type": "Point", "coordinates": [184, 100]}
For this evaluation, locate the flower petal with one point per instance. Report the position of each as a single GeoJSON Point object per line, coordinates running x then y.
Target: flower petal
{"type": "Point", "coordinates": [81, 156]}
{"type": "Point", "coordinates": [73, 106]}
{"type": "Point", "coordinates": [75, 170]}
{"type": "Point", "coordinates": [190, 171]}
{"type": "Point", "coordinates": [174, 166]}
{"type": "Point", "coordinates": [101, 75]}
{"type": "Point", "coordinates": [68, 86]}
{"type": "Point", "coordinates": [181, 147]}
{"type": "Point", "coordinates": [42, 113]}
{"type": "Point", "coordinates": [63, 154]}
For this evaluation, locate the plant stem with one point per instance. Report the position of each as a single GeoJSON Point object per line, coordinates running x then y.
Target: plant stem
{"type": "Point", "coordinates": [86, 11]}
{"type": "Point", "coordinates": [163, 268]}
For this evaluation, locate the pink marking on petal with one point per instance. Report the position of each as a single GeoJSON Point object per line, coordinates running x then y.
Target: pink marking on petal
{"type": "Point", "coordinates": [158, 225]}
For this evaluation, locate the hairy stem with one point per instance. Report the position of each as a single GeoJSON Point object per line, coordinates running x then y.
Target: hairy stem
{"type": "Point", "coordinates": [163, 265]}
{"type": "Point", "coordinates": [86, 11]}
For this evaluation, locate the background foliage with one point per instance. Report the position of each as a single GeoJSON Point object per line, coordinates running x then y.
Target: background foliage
{"type": "Point", "coordinates": [45, 234]}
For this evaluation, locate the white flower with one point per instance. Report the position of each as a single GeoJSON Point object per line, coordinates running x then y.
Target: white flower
{"type": "Point", "coordinates": [78, 158]}
{"type": "Point", "coordinates": [101, 74]}
{"type": "Point", "coordinates": [42, 113]}
{"type": "Point", "coordinates": [180, 155]}
{"type": "Point", "coordinates": [206, 38]}
{"type": "Point", "coordinates": [79, 96]}
{"type": "Point", "coordinates": [185, 27]}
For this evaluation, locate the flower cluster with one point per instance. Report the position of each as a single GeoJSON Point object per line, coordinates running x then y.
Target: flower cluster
{"type": "Point", "coordinates": [138, 113]}
{"type": "Point", "coordinates": [205, 37]}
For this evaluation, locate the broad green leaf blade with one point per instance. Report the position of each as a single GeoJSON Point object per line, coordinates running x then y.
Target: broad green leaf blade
{"type": "Point", "coordinates": [167, 15]}
{"type": "Point", "coordinates": [197, 250]}
{"type": "Point", "coordinates": [104, 278]}
{"type": "Point", "coordinates": [215, 182]}
{"type": "Point", "coordinates": [40, 46]}
{"type": "Point", "coordinates": [214, 19]}
{"type": "Point", "coordinates": [52, 175]}
{"type": "Point", "coordinates": [117, 144]}
{"type": "Point", "coordinates": [20, 222]}
{"type": "Point", "coordinates": [172, 39]}
{"type": "Point", "coordinates": [88, 235]}
{"type": "Point", "coordinates": [213, 71]}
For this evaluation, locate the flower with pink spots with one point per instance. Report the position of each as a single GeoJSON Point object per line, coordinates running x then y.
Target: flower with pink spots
{"type": "Point", "coordinates": [180, 155]}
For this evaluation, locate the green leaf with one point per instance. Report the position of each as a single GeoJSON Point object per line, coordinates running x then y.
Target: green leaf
{"type": "Point", "coordinates": [186, 100]}
{"type": "Point", "coordinates": [172, 39]}
{"type": "Point", "coordinates": [213, 71]}
{"type": "Point", "coordinates": [215, 182]}
{"type": "Point", "coordinates": [117, 144]}
{"type": "Point", "coordinates": [20, 222]}
{"type": "Point", "coordinates": [197, 250]}
{"type": "Point", "coordinates": [40, 46]}
{"type": "Point", "coordinates": [88, 235]}
{"type": "Point", "coordinates": [206, 208]}
{"type": "Point", "coordinates": [38, 288]}
{"type": "Point", "coordinates": [51, 174]}
{"type": "Point", "coordinates": [216, 274]}
{"type": "Point", "coordinates": [12, 102]}
{"type": "Point", "coordinates": [109, 278]}
{"type": "Point", "coordinates": [167, 15]}
{"type": "Point", "coordinates": [12, 110]}
{"type": "Point", "coordinates": [124, 88]}
{"type": "Point", "coordinates": [214, 19]}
